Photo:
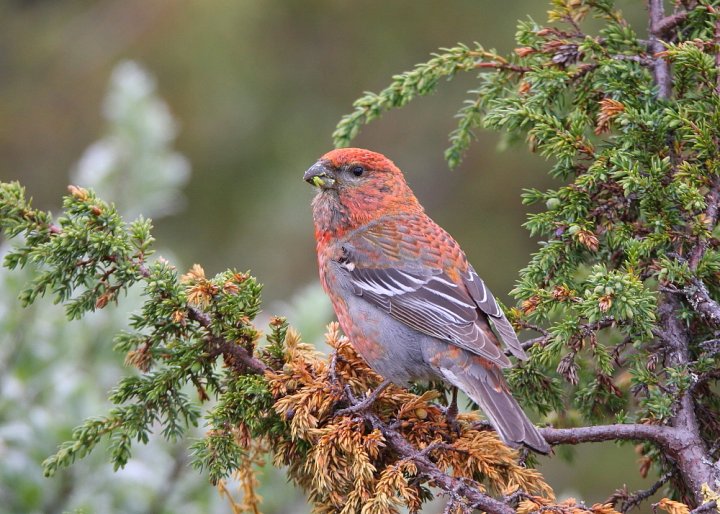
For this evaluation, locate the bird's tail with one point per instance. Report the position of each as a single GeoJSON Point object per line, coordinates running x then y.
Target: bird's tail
{"type": "Point", "coordinates": [484, 383]}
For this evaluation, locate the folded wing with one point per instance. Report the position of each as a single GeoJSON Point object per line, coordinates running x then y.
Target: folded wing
{"type": "Point", "coordinates": [430, 303]}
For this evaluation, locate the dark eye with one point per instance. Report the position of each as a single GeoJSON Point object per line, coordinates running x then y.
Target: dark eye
{"type": "Point", "coordinates": [357, 170]}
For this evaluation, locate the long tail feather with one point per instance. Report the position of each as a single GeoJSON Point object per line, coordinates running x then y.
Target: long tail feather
{"type": "Point", "coordinates": [487, 387]}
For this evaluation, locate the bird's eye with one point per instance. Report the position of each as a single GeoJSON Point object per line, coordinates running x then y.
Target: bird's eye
{"type": "Point", "coordinates": [357, 170]}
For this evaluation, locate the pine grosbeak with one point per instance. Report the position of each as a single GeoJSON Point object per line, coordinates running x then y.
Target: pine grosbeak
{"type": "Point", "coordinates": [404, 292]}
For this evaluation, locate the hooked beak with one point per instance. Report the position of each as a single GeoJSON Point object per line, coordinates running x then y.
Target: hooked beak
{"type": "Point", "coordinates": [319, 175]}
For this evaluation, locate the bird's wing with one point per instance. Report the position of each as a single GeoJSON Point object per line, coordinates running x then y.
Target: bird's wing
{"type": "Point", "coordinates": [398, 268]}
{"type": "Point", "coordinates": [486, 302]}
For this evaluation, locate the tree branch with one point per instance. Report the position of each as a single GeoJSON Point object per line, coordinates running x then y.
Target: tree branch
{"type": "Point", "coordinates": [454, 487]}
{"type": "Point", "coordinates": [451, 485]}
{"type": "Point", "coordinates": [234, 354]}
{"type": "Point", "coordinates": [659, 434]}
{"type": "Point", "coordinates": [698, 296]}
{"type": "Point", "coordinates": [630, 501]}
{"type": "Point", "coordinates": [687, 448]}
{"type": "Point", "coordinates": [658, 27]}
{"type": "Point", "coordinates": [666, 24]}
{"type": "Point", "coordinates": [705, 507]}
{"type": "Point", "coordinates": [503, 66]}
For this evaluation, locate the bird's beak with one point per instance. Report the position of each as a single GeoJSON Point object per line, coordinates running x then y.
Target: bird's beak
{"type": "Point", "coordinates": [319, 175]}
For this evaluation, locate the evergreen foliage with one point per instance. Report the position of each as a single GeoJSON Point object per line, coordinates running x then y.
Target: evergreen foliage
{"type": "Point", "coordinates": [622, 291]}
{"type": "Point", "coordinates": [634, 225]}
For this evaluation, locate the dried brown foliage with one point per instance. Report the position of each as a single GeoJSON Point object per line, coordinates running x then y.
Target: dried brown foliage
{"type": "Point", "coordinates": [672, 506]}
{"type": "Point", "coordinates": [342, 459]}
{"type": "Point", "coordinates": [609, 110]}
{"type": "Point", "coordinates": [569, 506]}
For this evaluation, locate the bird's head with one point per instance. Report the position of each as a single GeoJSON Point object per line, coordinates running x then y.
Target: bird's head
{"type": "Point", "coordinates": [359, 185]}
{"type": "Point", "coordinates": [352, 168]}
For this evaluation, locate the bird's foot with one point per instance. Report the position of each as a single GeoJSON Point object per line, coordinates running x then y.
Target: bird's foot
{"type": "Point", "coordinates": [362, 405]}
{"type": "Point", "coordinates": [481, 425]}
{"type": "Point", "coordinates": [451, 412]}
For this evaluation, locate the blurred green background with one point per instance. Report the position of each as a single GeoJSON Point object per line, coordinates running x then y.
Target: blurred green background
{"type": "Point", "coordinates": [255, 89]}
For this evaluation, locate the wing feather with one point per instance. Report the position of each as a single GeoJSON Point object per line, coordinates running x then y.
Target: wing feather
{"type": "Point", "coordinates": [430, 303]}
{"type": "Point", "coordinates": [395, 266]}
{"type": "Point", "coordinates": [487, 303]}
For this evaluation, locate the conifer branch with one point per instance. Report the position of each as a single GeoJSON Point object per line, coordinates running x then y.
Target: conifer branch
{"type": "Point", "coordinates": [658, 434]}
{"type": "Point", "coordinates": [237, 356]}
{"type": "Point", "coordinates": [630, 501]}
{"type": "Point", "coordinates": [451, 485]}
{"type": "Point", "coordinates": [664, 25]}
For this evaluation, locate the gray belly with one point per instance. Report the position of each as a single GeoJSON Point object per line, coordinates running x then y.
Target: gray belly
{"type": "Point", "coordinates": [390, 347]}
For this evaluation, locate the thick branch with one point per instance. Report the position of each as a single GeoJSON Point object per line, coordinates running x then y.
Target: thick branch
{"type": "Point", "coordinates": [688, 450]}
{"type": "Point", "coordinates": [659, 434]}
{"type": "Point", "coordinates": [658, 27]}
{"type": "Point", "coordinates": [705, 507]}
{"type": "Point", "coordinates": [666, 24]}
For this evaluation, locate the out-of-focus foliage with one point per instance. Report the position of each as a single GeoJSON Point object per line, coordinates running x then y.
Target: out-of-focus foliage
{"type": "Point", "coordinates": [133, 163]}
{"type": "Point", "coordinates": [256, 87]}
{"type": "Point", "coordinates": [54, 372]}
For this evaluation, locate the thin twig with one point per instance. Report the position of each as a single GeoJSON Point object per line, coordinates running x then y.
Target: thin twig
{"type": "Point", "coordinates": [235, 355]}
{"type": "Point", "coordinates": [366, 403]}
{"type": "Point", "coordinates": [635, 499]}
{"type": "Point", "coordinates": [503, 66]}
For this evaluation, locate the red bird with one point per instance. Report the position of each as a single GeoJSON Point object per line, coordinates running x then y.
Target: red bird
{"type": "Point", "coordinates": [404, 292]}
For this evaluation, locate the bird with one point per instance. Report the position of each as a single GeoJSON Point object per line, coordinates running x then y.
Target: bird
{"type": "Point", "coordinates": [404, 292]}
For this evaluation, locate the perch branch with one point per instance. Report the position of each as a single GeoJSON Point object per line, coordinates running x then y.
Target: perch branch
{"type": "Point", "coordinates": [449, 484]}
{"type": "Point", "coordinates": [659, 434]}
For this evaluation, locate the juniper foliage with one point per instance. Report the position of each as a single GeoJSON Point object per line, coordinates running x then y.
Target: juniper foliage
{"type": "Point", "coordinates": [622, 292]}
{"type": "Point", "coordinates": [623, 288]}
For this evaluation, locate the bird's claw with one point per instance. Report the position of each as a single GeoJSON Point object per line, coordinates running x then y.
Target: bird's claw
{"type": "Point", "coordinates": [451, 412]}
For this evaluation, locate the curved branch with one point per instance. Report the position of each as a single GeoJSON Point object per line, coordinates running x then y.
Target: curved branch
{"type": "Point", "coordinates": [618, 432]}
{"type": "Point", "coordinates": [234, 354]}
{"type": "Point", "coordinates": [664, 25]}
